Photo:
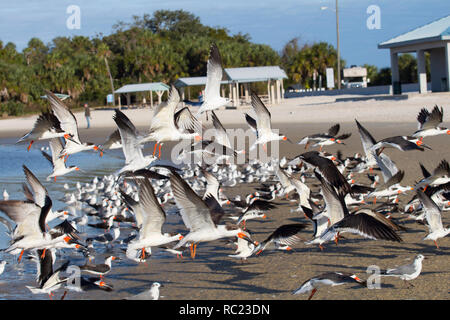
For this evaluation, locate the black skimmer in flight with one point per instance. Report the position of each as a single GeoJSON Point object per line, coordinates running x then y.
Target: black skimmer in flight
{"type": "Point", "coordinates": [327, 279]}
{"type": "Point", "coordinates": [154, 217]}
{"type": "Point", "coordinates": [441, 175]}
{"type": "Point", "coordinates": [197, 217]}
{"type": "Point", "coordinates": [325, 139]}
{"type": "Point", "coordinates": [99, 269]}
{"type": "Point", "coordinates": [132, 150]}
{"type": "Point", "coordinates": [263, 124]}
{"type": "Point", "coordinates": [284, 237]}
{"type": "Point", "coordinates": [212, 99]}
{"type": "Point", "coordinates": [113, 141]}
{"type": "Point", "coordinates": [433, 217]}
{"type": "Point", "coordinates": [327, 170]}
{"type": "Point", "coordinates": [58, 164]}
{"type": "Point", "coordinates": [429, 123]}
{"type": "Point", "coordinates": [166, 127]}
{"type": "Point", "coordinates": [47, 126]}
{"type": "Point", "coordinates": [402, 143]}
{"type": "Point", "coordinates": [69, 125]}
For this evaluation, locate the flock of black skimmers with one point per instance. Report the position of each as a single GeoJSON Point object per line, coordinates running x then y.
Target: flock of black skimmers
{"type": "Point", "coordinates": [140, 195]}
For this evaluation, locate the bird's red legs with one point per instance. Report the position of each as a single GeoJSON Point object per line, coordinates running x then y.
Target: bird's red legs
{"type": "Point", "coordinates": [64, 295]}
{"type": "Point", "coordinates": [43, 253]}
{"type": "Point", "coordinates": [312, 293]}
{"type": "Point", "coordinates": [20, 256]}
{"type": "Point", "coordinates": [29, 146]}
{"type": "Point", "coordinates": [320, 149]}
{"type": "Point", "coordinates": [321, 247]}
{"type": "Point", "coordinates": [336, 238]}
{"type": "Point", "coordinates": [160, 145]}
{"type": "Point", "coordinates": [435, 242]}
{"type": "Point", "coordinates": [154, 149]}
{"type": "Point", "coordinates": [264, 148]}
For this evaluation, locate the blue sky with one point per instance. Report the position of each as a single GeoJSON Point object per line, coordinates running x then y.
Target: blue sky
{"type": "Point", "coordinates": [268, 22]}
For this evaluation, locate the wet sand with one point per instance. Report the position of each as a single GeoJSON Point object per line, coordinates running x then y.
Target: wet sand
{"type": "Point", "coordinates": [275, 274]}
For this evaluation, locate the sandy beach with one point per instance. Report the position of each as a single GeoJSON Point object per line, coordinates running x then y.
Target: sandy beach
{"type": "Point", "coordinates": [275, 274]}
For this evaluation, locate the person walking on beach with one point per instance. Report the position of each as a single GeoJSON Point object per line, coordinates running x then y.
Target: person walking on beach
{"type": "Point", "coordinates": [87, 114]}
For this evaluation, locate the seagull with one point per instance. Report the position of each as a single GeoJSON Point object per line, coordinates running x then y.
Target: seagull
{"type": "Point", "coordinates": [2, 266]}
{"type": "Point", "coordinates": [327, 279]}
{"type": "Point", "coordinates": [165, 126]}
{"type": "Point", "coordinates": [325, 139]}
{"type": "Point", "coordinates": [151, 294]}
{"type": "Point", "coordinates": [47, 126]}
{"type": "Point", "coordinates": [134, 158]}
{"type": "Point", "coordinates": [5, 194]}
{"type": "Point", "coordinates": [429, 123]}
{"type": "Point", "coordinates": [154, 217]}
{"type": "Point", "coordinates": [434, 218]}
{"type": "Point", "coordinates": [69, 125]}
{"type": "Point", "coordinates": [407, 272]}
{"type": "Point", "coordinates": [283, 237]}
{"type": "Point", "coordinates": [212, 99]}
{"type": "Point", "coordinates": [197, 217]}
{"type": "Point", "coordinates": [59, 166]}
{"type": "Point", "coordinates": [263, 124]}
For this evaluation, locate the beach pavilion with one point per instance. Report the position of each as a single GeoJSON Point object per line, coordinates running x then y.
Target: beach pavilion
{"type": "Point", "coordinates": [238, 81]}
{"type": "Point", "coordinates": [433, 38]}
{"type": "Point", "coordinates": [128, 89]}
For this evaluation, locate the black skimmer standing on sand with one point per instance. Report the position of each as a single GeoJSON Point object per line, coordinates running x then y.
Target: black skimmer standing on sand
{"type": "Point", "coordinates": [327, 279]}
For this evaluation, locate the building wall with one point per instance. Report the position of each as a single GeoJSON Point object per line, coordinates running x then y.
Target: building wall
{"type": "Point", "coordinates": [437, 61]}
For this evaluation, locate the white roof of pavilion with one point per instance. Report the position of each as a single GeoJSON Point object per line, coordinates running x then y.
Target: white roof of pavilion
{"type": "Point", "coordinates": [154, 86]}
{"type": "Point", "coordinates": [433, 31]}
{"type": "Point", "coordinates": [246, 74]}
{"type": "Point", "coordinates": [255, 74]}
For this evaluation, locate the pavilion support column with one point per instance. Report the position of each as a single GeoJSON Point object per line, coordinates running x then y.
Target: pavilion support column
{"type": "Point", "coordinates": [421, 71]}
{"type": "Point", "coordinates": [151, 99]}
{"type": "Point", "coordinates": [237, 95]}
{"type": "Point", "coordinates": [395, 75]}
{"type": "Point", "coordinates": [120, 105]}
{"type": "Point", "coordinates": [182, 96]}
{"type": "Point", "coordinates": [278, 91]}
{"type": "Point", "coordinates": [268, 92]}
{"type": "Point", "coordinates": [159, 93]}
{"type": "Point", "coordinates": [128, 100]}
{"type": "Point", "coordinates": [230, 93]}
{"type": "Point", "coordinates": [447, 64]}
{"type": "Point", "coordinates": [282, 89]}
{"type": "Point", "coordinates": [272, 93]}
{"type": "Point", "coordinates": [223, 91]}
{"type": "Point", "coordinates": [246, 92]}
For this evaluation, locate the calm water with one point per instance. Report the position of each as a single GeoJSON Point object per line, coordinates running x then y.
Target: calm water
{"type": "Point", "coordinates": [12, 157]}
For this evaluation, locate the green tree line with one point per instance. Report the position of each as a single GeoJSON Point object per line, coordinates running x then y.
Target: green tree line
{"type": "Point", "coordinates": [152, 48]}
